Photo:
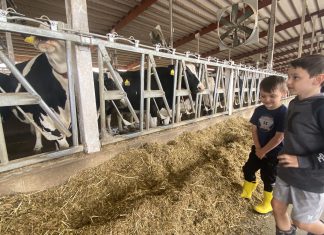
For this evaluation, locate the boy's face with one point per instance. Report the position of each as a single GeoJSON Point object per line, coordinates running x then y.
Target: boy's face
{"type": "Point", "coordinates": [271, 100]}
{"type": "Point", "coordinates": [300, 83]}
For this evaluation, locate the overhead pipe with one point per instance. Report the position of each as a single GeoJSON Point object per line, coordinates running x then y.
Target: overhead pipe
{"type": "Point", "coordinates": [301, 33]}
{"type": "Point", "coordinates": [171, 22]}
{"type": "Point", "coordinates": [271, 33]}
{"type": "Point", "coordinates": [313, 34]}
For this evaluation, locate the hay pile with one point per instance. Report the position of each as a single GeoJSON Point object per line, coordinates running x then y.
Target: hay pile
{"type": "Point", "coordinates": [189, 186]}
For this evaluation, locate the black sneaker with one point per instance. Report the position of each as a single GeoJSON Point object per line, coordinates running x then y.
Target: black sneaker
{"type": "Point", "coordinates": [291, 231]}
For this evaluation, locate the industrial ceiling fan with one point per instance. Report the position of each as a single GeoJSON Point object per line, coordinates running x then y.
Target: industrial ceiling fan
{"type": "Point", "coordinates": [238, 24]}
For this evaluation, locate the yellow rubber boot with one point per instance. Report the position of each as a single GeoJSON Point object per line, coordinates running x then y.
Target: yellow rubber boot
{"type": "Point", "coordinates": [265, 206]}
{"type": "Point", "coordinates": [248, 188]}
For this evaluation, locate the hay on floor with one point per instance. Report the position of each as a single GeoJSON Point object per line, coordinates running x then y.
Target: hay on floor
{"type": "Point", "coordinates": [190, 185]}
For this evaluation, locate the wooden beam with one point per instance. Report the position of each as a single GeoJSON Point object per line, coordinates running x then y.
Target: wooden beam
{"type": "Point", "coordinates": [132, 14]}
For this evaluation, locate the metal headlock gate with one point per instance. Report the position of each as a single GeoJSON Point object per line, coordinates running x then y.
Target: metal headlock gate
{"type": "Point", "coordinates": [228, 93]}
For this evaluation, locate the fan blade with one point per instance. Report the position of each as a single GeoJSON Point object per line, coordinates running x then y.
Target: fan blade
{"type": "Point", "coordinates": [225, 22]}
{"type": "Point", "coordinates": [236, 40]}
{"type": "Point", "coordinates": [246, 15]}
{"type": "Point", "coordinates": [245, 29]}
{"type": "Point", "coordinates": [224, 35]}
{"type": "Point", "coordinates": [234, 12]}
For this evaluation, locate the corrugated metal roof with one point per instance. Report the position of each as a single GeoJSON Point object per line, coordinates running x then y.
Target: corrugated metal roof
{"type": "Point", "coordinates": [189, 17]}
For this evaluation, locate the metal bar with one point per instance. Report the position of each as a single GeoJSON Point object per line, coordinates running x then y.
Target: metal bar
{"type": "Point", "coordinates": [158, 82]}
{"type": "Point", "coordinates": [102, 100]}
{"type": "Point", "coordinates": [148, 88]}
{"type": "Point", "coordinates": [182, 92]}
{"type": "Point", "coordinates": [3, 149]}
{"type": "Point", "coordinates": [13, 99]}
{"type": "Point", "coordinates": [217, 88]}
{"type": "Point", "coordinates": [74, 120]}
{"type": "Point", "coordinates": [58, 124]}
{"type": "Point", "coordinates": [142, 92]}
{"type": "Point", "coordinates": [91, 39]}
{"type": "Point", "coordinates": [230, 93]}
{"type": "Point", "coordinates": [174, 90]}
{"type": "Point", "coordinates": [40, 158]}
{"type": "Point", "coordinates": [187, 85]}
{"type": "Point", "coordinates": [179, 80]}
{"type": "Point", "coordinates": [153, 94]}
{"type": "Point", "coordinates": [107, 60]}
{"type": "Point", "coordinates": [113, 95]}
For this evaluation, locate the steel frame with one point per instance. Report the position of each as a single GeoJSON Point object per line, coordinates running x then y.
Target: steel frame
{"type": "Point", "coordinates": [225, 87]}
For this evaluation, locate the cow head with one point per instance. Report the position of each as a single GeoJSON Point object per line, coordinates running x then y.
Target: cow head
{"type": "Point", "coordinates": [194, 84]}
{"type": "Point", "coordinates": [54, 49]}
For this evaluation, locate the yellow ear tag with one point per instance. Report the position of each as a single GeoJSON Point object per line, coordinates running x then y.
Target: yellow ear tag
{"type": "Point", "coordinates": [172, 72]}
{"type": "Point", "coordinates": [127, 83]}
{"type": "Point", "coordinates": [30, 39]}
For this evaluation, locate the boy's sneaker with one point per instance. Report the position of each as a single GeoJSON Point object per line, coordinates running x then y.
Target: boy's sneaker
{"type": "Point", "coordinates": [291, 231]}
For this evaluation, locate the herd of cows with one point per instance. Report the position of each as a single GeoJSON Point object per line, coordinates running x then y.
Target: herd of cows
{"type": "Point", "coordinates": [47, 74]}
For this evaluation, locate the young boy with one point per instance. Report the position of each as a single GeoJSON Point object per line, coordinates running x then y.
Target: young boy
{"type": "Point", "coordinates": [300, 180]}
{"type": "Point", "coordinates": [267, 133]}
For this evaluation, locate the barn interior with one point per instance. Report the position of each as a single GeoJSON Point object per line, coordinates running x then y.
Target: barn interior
{"type": "Point", "coordinates": [167, 178]}
{"type": "Point", "coordinates": [237, 31]}
{"type": "Point", "coordinates": [195, 27]}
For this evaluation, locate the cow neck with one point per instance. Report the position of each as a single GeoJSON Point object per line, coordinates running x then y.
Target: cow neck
{"type": "Point", "coordinates": [57, 60]}
{"type": "Point", "coordinates": [64, 75]}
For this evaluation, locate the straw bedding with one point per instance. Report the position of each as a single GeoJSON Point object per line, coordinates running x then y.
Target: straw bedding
{"type": "Point", "coordinates": [191, 185]}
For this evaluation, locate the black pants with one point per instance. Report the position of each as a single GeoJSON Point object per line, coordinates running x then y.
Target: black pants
{"type": "Point", "coordinates": [267, 167]}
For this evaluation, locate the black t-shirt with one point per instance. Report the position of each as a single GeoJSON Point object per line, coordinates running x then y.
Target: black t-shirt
{"type": "Point", "coordinates": [268, 122]}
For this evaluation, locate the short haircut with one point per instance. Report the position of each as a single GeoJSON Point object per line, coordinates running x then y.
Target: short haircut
{"type": "Point", "coordinates": [272, 83]}
{"type": "Point", "coordinates": [313, 64]}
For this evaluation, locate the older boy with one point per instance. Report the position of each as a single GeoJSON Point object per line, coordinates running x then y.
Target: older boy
{"type": "Point", "coordinates": [300, 180]}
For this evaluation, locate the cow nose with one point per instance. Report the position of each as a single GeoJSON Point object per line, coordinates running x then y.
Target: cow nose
{"type": "Point", "coordinates": [201, 87]}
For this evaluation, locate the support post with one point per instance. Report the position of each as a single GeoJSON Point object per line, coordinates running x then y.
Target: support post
{"type": "Point", "coordinates": [76, 11]}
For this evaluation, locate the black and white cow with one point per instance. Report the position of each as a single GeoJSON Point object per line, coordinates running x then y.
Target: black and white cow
{"type": "Point", "coordinates": [5, 85]}
{"type": "Point", "coordinates": [47, 74]}
{"type": "Point", "coordinates": [52, 87]}
{"type": "Point", "coordinates": [132, 86]}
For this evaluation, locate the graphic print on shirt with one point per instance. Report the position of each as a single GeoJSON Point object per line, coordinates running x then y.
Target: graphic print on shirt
{"type": "Point", "coordinates": [266, 123]}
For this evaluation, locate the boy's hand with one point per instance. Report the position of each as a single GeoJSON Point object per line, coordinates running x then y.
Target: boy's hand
{"type": "Point", "coordinates": [286, 160]}
{"type": "Point", "coordinates": [260, 153]}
